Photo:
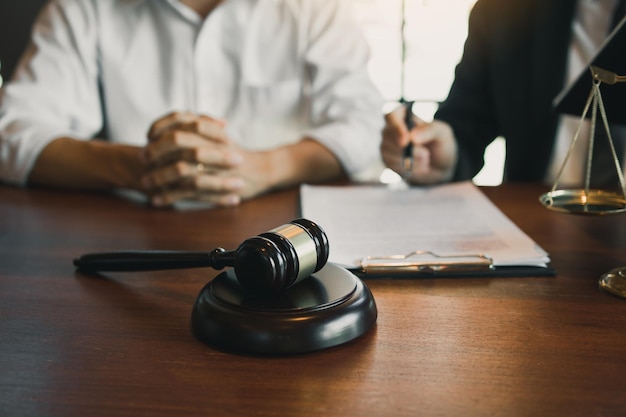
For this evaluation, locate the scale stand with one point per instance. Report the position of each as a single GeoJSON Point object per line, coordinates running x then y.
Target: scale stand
{"type": "Point", "coordinates": [587, 201]}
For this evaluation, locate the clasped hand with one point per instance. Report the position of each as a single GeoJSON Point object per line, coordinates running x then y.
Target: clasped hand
{"type": "Point", "coordinates": [190, 157]}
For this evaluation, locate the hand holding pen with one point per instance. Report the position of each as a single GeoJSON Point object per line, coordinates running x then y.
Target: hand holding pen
{"type": "Point", "coordinates": [420, 152]}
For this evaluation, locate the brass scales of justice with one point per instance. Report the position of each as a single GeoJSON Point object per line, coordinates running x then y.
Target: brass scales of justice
{"type": "Point", "coordinates": [588, 201]}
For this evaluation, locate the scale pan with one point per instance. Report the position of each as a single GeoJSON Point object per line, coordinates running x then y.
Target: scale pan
{"type": "Point", "coordinates": [579, 201]}
{"type": "Point", "coordinates": [614, 281]}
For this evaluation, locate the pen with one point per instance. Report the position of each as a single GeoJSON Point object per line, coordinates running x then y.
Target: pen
{"type": "Point", "coordinates": [407, 154]}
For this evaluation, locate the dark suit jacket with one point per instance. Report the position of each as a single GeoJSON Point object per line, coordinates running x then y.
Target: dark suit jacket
{"type": "Point", "coordinates": [513, 67]}
{"type": "Point", "coordinates": [16, 19]}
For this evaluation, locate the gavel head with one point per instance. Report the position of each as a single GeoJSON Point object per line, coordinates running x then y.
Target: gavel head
{"type": "Point", "coordinates": [281, 257]}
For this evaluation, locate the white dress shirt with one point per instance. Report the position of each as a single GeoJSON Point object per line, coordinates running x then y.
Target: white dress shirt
{"type": "Point", "coordinates": [275, 70]}
{"type": "Point", "coordinates": [589, 30]}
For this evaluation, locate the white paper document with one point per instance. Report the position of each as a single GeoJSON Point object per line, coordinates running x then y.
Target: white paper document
{"type": "Point", "coordinates": [455, 219]}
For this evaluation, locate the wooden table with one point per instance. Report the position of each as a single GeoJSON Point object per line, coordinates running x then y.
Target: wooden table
{"type": "Point", "coordinates": [73, 345]}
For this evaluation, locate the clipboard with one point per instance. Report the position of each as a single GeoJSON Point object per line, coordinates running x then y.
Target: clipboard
{"type": "Point", "coordinates": [427, 264]}
{"type": "Point", "coordinates": [374, 230]}
{"type": "Point", "coordinates": [610, 57]}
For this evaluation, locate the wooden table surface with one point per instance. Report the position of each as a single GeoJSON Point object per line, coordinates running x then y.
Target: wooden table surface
{"type": "Point", "coordinates": [73, 345]}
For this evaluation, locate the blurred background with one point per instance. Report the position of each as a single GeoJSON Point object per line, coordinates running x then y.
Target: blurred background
{"type": "Point", "coordinates": [434, 30]}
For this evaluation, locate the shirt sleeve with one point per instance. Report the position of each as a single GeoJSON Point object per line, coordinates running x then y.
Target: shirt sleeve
{"type": "Point", "coordinates": [54, 91]}
{"type": "Point", "coordinates": [346, 109]}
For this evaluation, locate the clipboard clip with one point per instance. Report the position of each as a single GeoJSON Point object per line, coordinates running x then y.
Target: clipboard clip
{"type": "Point", "coordinates": [425, 263]}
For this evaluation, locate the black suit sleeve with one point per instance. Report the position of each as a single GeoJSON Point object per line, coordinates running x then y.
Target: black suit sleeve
{"type": "Point", "coordinates": [469, 108]}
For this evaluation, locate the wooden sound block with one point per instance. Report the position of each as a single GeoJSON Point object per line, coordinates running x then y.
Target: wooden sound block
{"type": "Point", "coordinates": [329, 308]}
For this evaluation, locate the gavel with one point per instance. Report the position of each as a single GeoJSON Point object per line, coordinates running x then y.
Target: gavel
{"type": "Point", "coordinates": [273, 260]}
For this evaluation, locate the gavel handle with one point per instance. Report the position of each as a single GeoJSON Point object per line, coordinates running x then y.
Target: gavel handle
{"type": "Point", "coordinates": [152, 260]}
